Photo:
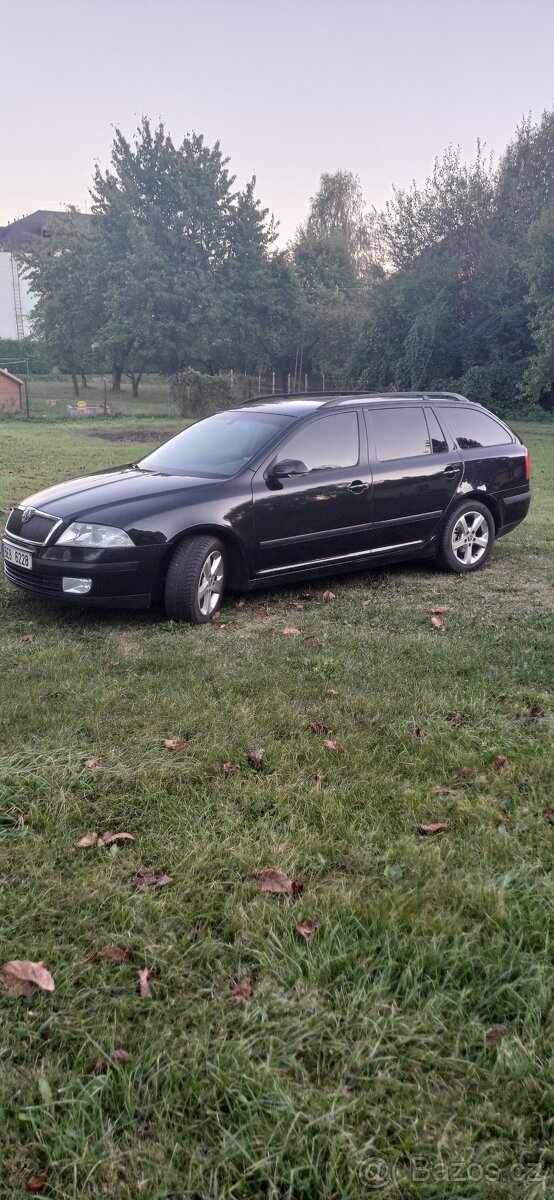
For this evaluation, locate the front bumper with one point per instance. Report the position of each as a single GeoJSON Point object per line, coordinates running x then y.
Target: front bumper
{"type": "Point", "coordinates": [133, 580]}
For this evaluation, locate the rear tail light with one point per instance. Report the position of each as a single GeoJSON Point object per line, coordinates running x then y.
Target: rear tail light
{"type": "Point", "coordinates": [527, 463]}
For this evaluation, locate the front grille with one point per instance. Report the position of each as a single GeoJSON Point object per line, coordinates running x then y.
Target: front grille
{"type": "Point", "coordinates": [33, 581]}
{"type": "Point", "coordinates": [35, 530]}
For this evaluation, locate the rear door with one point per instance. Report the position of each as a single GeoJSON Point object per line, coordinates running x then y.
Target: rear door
{"type": "Point", "coordinates": [321, 515]}
{"type": "Point", "coordinates": [416, 470]}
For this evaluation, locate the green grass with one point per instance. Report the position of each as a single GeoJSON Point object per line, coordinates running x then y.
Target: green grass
{"type": "Point", "coordinates": [362, 1057]}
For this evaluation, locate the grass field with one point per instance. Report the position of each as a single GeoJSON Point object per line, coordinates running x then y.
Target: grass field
{"type": "Point", "coordinates": [358, 1062]}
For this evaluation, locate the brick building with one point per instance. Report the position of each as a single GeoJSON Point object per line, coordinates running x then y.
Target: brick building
{"type": "Point", "coordinates": [10, 392]}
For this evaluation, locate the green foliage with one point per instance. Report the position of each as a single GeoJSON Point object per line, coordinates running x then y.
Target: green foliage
{"type": "Point", "coordinates": [198, 395]}
{"type": "Point", "coordinates": [12, 352]}
{"type": "Point", "coordinates": [463, 265]}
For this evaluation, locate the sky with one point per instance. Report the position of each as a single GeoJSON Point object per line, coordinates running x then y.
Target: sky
{"type": "Point", "coordinates": [290, 88]}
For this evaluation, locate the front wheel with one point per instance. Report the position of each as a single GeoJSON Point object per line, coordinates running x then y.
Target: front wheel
{"type": "Point", "coordinates": [467, 538]}
{"type": "Point", "coordinates": [195, 580]}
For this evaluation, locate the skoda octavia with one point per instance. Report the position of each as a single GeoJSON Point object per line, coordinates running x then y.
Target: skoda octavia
{"type": "Point", "coordinates": [280, 489]}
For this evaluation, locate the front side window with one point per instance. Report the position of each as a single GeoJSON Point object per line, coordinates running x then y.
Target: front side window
{"type": "Point", "coordinates": [400, 433]}
{"type": "Point", "coordinates": [326, 444]}
{"type": "Point", "coordinates": [217, 447]}
{"type": "Point", "coordinates": [473, 430]}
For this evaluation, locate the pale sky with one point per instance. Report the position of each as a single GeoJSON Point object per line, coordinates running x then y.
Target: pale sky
{"type": "Point", "coordinates": [291, 88]}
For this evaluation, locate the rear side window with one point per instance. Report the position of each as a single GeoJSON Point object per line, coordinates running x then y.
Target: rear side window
{"type": "Point", "coordinates": [438, 441]}
{"type": "Point", "coordinates": [475, 429]}
{"type": "Point", "coordinates": [400, 433]}
{"type": "Point", "coordinates": [326, 444]}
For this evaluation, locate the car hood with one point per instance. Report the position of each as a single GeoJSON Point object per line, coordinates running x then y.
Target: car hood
{"type": "Point", "coordinates": [83, 497]}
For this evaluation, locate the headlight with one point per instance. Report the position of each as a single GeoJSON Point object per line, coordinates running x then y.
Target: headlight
{"type": "Point", "coordinates": [81, 533]}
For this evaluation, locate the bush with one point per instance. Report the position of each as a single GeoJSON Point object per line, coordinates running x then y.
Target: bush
{"type": "Point", "coordinates": [198, 395]}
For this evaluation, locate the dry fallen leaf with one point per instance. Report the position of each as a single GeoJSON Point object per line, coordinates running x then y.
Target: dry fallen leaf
{"type": "Point", "coordinates": [328, 597]}
{"type": "Point", "coordinates": [21, 978]}
{"type": "Point", "coordinates": [291, 631]}
{"type": "Point", "coordinates": [240, 603]}
{"type": "Point", "coordinates": [29, 637]}
{"type": "Point", "coordinates": [144, 976]}
{"type": "Point", "coordinates": [104, 1062]}
{"type": "Point", "coordinates": [463, 772]}
{"type": "Point", "coordinates": [312, 643]}
{"type": "Point", "coordinates": [537, 711]}
{"type": "Point", "coordinates": [90, 839]}
{"type": "Point", "coordinates": [274, 881]}
{"type": "Point", "coordinates": [296, 605]}
{"type": "Point", "coordinates": [318, 727]}
{"type": "Point", "coordinates": [108, 665]}
{"type": "Point", "coordinates": [286, 845]}
{"type": "Point", "coordinates": [150, 879]}
{"type": "Point", "coordinates": [440, 608]}
{"type": "Point", "coordinates": [495, 1035]}
{"type": "Point", "coordinates": [194, 933]}
{"type": "Point", "coordinates": [434, 827]}
{"type": "Point", "coordinates": [317, 780]}
{"type": "Point", "coordinates": [549, 813]}
{"type": "Point", "coordinates": [309, 596]}
{"type": "Point", "coordinates": [229, 767]}
{"type": "Point", "coordinates": [36, 1182]}
{"type": "Point", "coordinates": [457, 719]}
{"type": "Point", "coordinates": [175, 744]}
{"type": "Point", "coordinates": [437, 621]}
{"type": "Point", "coordinates": [115, 954]}
{"type": "Point", "coordinates": [259, 612]}
{"type": "Point", "coordinates": [332, 745]}
{"type": "Point", "coordinates": [108, 838]}
{"type": "Point", "coordinates": [255, 757]}
{"type": "Point", "coordinates": [417, 733]}
{"type": "Point", "coordinates": [499, 762]}
{"type": "Point", "coordinates": [93, 763]}
{"type": "Point", "coordinates": [242, 991]}
{"type": "Point", "coordinates": [439, 790]}
{"type": "Point", "coordinates": [366, 603]}
{"type": "Point", "coordinates": [330, 692]}
{"type": "Point", "coordinates": [49, 696]}
{"type": "Point", "coordinates": [307, 929]}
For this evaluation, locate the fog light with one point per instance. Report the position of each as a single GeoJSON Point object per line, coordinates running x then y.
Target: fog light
{"type": "Point", "coordinates": [76, 587]}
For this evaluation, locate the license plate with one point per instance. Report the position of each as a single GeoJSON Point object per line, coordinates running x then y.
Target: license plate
{"type": "Point", "coordinates": [19, 558]}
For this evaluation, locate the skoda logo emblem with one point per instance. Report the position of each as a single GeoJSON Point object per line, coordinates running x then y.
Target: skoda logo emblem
{"type": "Point", "coordinates": [27, 514]}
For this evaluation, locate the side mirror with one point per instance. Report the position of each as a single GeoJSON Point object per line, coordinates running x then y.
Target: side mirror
{"type": "Point", "coordinates": [287, 467]}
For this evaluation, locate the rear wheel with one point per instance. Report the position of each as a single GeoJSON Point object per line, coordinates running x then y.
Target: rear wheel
{"type": "Point", "coordinates": [195, 580]}
{"type": "Point", "coordinates": [467, 538]}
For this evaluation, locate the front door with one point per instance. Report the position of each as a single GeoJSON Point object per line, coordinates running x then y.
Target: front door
{"type": "Point", "coordinates": [416, 470]}
{"type": "Point", "coordinates": [323, 513]}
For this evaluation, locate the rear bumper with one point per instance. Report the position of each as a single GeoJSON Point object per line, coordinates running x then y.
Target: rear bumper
{"type": "Point", "coordinates": [513, 509]}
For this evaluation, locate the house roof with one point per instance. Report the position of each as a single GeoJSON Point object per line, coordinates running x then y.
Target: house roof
{"type": "Point", "coordinates": [9, 375]}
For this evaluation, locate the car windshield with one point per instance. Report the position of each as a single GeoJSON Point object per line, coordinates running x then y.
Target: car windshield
{"type": "Point", "coordinates": [218, 446]}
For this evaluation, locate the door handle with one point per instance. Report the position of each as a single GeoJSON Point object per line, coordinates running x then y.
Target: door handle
{"type": "Point", "coordinates": [357, 486]}
{"type": "Point", "coordinates": [452, 470]}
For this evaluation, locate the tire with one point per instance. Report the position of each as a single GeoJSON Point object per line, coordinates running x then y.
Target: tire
{"type": "Point", "coordinates": [195, 580]}
{"type": "Point", "coordinates": [467, 538]}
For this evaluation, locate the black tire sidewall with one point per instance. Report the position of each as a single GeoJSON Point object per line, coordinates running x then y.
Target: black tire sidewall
{"type": "Point", "coordinates": [183, 577]}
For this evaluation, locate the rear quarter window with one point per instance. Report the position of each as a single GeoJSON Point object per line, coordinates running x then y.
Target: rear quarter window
{"type": "Point", "coordinates": [474, 430]}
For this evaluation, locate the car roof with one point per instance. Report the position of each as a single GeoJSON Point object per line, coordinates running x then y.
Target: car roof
{"type": "Point", "coordinates": [299, 404]}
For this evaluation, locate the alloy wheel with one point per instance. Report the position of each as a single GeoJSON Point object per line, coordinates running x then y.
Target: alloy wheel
{"type": "Point", "coordinates": [210, 584]}
{"type": "Point", "coordinates": [470, 538]}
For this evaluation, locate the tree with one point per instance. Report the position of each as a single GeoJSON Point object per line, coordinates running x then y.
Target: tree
{"type": "Point", "coordinates": [61, 274]}
{"type": "Point", "coordinates": [539, 270]}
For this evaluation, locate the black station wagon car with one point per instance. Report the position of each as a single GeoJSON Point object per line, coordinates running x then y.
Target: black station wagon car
{"type": "Point", "coordinates": [279, 489]}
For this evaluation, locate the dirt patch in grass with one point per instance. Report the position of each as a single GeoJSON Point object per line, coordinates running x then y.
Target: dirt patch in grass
{"type": "Point", "coordinates": [129, 435]}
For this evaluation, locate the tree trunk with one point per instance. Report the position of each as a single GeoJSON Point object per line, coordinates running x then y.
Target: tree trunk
{"type": "Point", "coordinates": [84, 383]}
{"type": "Point", "coordinates": [136, 377]}
{"type": "Point", "coordinates": [76, 391]}
{"type": "Point", "coordinates": [117, 372]}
